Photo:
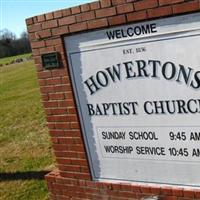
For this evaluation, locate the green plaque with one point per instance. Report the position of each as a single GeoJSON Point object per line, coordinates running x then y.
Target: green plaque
{"type": "Point", "coordinates": [50, 60]}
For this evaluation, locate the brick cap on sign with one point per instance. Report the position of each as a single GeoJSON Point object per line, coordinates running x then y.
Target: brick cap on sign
{"type": "Point", "coordinates": [128, 189]}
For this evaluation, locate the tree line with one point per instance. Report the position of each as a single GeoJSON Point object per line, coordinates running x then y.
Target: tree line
{"type": "Point", "coordinates": [10, 45]}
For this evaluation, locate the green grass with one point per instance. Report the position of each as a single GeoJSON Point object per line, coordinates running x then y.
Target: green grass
{"type": "Point", "coordinates": [7, 60]}
{"type": "Point", "coordinates": [24, 141]}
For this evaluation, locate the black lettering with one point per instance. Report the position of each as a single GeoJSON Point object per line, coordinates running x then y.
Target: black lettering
{"type": "Point", "coordinates": [90, 109]}
{"type": "Point", "coordinates": [114, 72]}
{"type": "Point", "coordinates": [147, 109]}
{"type": "Point", "coordinates": [181, 106]}
{"type": "Point", "coordinates": [185, 75]}
{"type": "Point", "coordinates": [166, 69]}
{"type": "Point", "coordinates": [92, 85]}
{"type": "Point", "coordinates": [153, 28]}
{"type": "Point", "coordinates": [130, 32]}
{"type": "Point", "coordinates": [190, 107]}
{"type": "Point", "coordinates": [155, 64]}
{"type": "Point", "coordinates": [110, 35]}
{"type": "Point", "coordinates": [128, 66]}
{"type": "Point", "coordinates": [141, 64]}
{"type": "Point", "coordinates": [102, 78]}
{"type": "Point", "coordinates": [196, 82]}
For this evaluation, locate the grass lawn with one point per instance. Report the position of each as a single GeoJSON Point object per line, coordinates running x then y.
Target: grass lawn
{"type": "Point", "coordinates": [9, 59]}
{"type": "Point", "coordinates": [25, 149]}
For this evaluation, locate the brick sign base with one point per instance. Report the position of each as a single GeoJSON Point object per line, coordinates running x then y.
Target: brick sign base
{"type": "Point", "coordinates": [72, 178]}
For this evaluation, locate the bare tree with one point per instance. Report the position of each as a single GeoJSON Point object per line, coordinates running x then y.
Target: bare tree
{"type": "Point", "coordinates": [10, 45]}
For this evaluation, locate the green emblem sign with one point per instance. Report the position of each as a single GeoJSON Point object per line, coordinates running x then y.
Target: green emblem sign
{"type": "Point", "coordinates": [50, 60]}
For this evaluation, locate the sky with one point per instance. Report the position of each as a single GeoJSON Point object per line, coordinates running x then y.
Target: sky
{"type": "Point", "coordinates": [14, 12]}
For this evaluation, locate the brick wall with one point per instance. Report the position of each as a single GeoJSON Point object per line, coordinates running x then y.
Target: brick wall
{"type": "Point", "coordinates": [72, 179]}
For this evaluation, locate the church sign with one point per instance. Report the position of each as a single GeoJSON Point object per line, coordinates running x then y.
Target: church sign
{"type": "Point", "coordinates": [137, 92]}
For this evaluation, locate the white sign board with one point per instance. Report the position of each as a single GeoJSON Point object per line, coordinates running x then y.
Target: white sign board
{"type": "Point", "coordinates": [137, 89]}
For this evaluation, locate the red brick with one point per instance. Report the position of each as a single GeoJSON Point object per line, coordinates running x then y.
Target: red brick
{"type": "Point", "coordinates": [53, 81]}
{"type": "Point", "coordinates": [44, 74]}
{"type": "Point", "coordinates": [145, 4]}
{"type": "Point", "coordinates": [77, 148]}
{"type": "Point", "coordinates": [125, 8]}
{"type": "Point", "coordinates": [46, 89]}
{"type": "Point", "coordinates": [188, 193]}
{"type": "Point", "coordinates": [120, 19]}
{"type": "Point", "coordinates": [68, 118]}
{"type": "Point", "coordinates": [85, 16]}
{"type": "Point", "coordinates": [169, 198]}
{"type": "Point", "coordinates": [32, 36]}
{"type": "Point", "coordinates": [50, 104]}
{"type": "Point", "coordinates": [126, 187]}
{"type": "Point", "coordinates": [68, 175]}
{"type": "Point", "coordinates": [136, 16]}
{"type": "Point", "coordinates": [60, 30]}
{"type": "Point", "coordinates": [60, 46]}
{"type": "Point", "coordinates": [71, 110]}
{"type": "Point", "coordinates": [67, 103]}
{"type": "Point", "coordinates": [106, 12]}
{"type": "Point", "coordinates": [84, 176]}
{"type": "Point", "coordinates": [57, 96]}
{"type": "Point", "coordinates": [29, 21]}
{"type": "Point", "coordinates": [66, 154]}
{"type": "Point", "coordinates": [76, 10]}
{"type": "Point", "coordinates": [34, 28]}
{"type": "Point", "coordinates": [67, 20]}
{"type": "Point", "coordinates": [52, 42]}
{"type": "Point", "coordinates": [37, 44]}
{"type": "Point", "coordinates": [41, 18]}
{"type": "Point", "coordinates": [59, 72]}
{"type": "Point", "coordinates": [94, 5]}
{"type": "Point", "coordinates": [46, 50]}
{"type": "Point", "coordinates": [81, 162]}
{"type": "Point", "coordinates": [37, 60]}
{"type": "Point", "coordinates": [51, 125]}
{"type": "Point", "coordinates": [186, 7]}
{"type": "Point", "coordinates": [58, 111]}
{"type": "Point", "coordinates": [78, 27]}
{"type": "Point", "coordinates": [166, 190]}
{"type": "Point", "coordinates": [49, 24]}
{"type": "Point", "coordinates": [155, 190]}
{"type": "Point", "coordinates": [85, 7]}
{"type": "Point", "coordinates": [65, 80]}
{"type": "Point", "coordinates": [97, 23]}
{"type": "Point", "coordinates": [128, 1]}
{"type": "Point", "coordinates": [49, 16]}
{"type": "Point", "coordinates": [66, 12]}
{"type": "Point", "coordinates": [69, 168]}
{"type": "Point", "coordinates": [44, 97]}
{"type": "Point", "coordinates": [35, 20]}
{"type": "Point", "coordinates": [145, 189]}
{"type": "Point", "coordinates": [62, 125]}
{"type": "Point", "coordinates": [167, 2]}
{"type": "Point", "coordinates": [105, 3]}
{"type": "Point", "coordinates": [61, 160]}
{"type": "Point", "coordinates": [42, 82]}
{"type": "Point", "coordinates": [118, 2]}
{"type": "Point", "coordinates": [39, 67]}
{"type": "Point", "coordinates": [57, 14]}
{"type": "Point", "coordinates": [43, 34]}
{"type": "Point", "coordinates": [62, 88]}
{"type": "Point", "coordinates": [65, 140]}
{"type": "Point", "coordinates": [126, 195]}
{"type": "Point", "coordinates": [197, 194]}
{"type": "Point", "coordinates": [75, 125]}
{"type": "Point", "coordinates": [178, 192]}
{"type": "Point", "coordinates": [159, 12]}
